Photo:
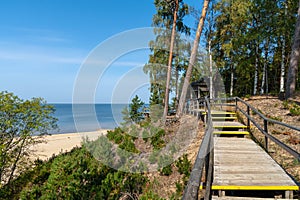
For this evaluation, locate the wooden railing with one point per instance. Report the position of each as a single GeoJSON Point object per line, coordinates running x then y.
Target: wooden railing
{"type": "Point", "coordinates": [203, 160]}
{"type": "Point", "coordinates": [264, 130]}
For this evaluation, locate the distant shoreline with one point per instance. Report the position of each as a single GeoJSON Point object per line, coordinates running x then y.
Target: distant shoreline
{"type": "Point", "coordinates": [62, 142]}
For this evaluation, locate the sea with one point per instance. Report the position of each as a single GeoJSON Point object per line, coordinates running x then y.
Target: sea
{"type": "Point", "coordinates": [87, 117]}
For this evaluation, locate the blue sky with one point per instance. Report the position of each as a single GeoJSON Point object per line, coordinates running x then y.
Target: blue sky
{"type": "Point", "coordinates": [43, 44]}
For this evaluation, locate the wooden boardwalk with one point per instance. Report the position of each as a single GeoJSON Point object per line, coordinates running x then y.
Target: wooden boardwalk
{"type": "Point", "coordinates": [241, 164]}
{"type": "Point", "coordinates": [236, 167]}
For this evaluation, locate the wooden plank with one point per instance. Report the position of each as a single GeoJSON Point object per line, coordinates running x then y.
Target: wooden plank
{"type": "Point", "coordinates": [229, 125]}
{"type": "Point", "coordinates": [216, 112]}
{"type": "Point", "coordinates": [240, 164]}
{"type": "Point", "coordinates": [224, 118]}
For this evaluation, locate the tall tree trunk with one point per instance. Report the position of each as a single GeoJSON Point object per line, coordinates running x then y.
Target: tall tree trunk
{"type": "Point", "coordinates": [211, 94]}
{"type": "Point", "coordinates": [256, 71]}
{"type": "Point", "coordinates": [231, 80]}
{"type": "Point", "coordinates": [192, 60]}
{"type": "Point", "coordinates": [264, 81]}
{"type": "Point", "coordinates": [294, 60]}
{"type": "Point", "coordinates": [176, 87]}
{"type": "Point", "coordinates": [170, 62]}
{"type": "Point", "coordinates": [282, 69]}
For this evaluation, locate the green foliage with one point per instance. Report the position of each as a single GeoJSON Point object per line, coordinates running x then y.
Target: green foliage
{"type": "Point", "coordinates": [135, 109]}
{"type": "Point", "coordinates": [285, 104]}
{"type": "Point", "coordinates": [153, 158]}
{"type": "Point", "coordinates": [73, 175]}
{"type": "Point", "coordinates": [19, 121]}
{"type": "Point", "coordinates": [183, 165]}
{"type": "Point", "coordinates": [295, 110]}
{"type": "Point", "coordinates": [165, 164]}
{"type": "Point", "coordinates": [125, 141]}
{"type": "Point", "coordinates": [247, 34]}
{"type": "Point", "coordinates": [167, 170]}
{"type": "Point", "coordinates": [160, 46]}
{"type": "Point", "coordinates": [179, 191]}
{"type": "Point", "coordinates": [156, 140]}
{"type": "Point", "coordinates": [128, 145]}
{"type": "Point", "coordinates": [150, 195]}
{"type": "Point", "coordinates": [116, 135]}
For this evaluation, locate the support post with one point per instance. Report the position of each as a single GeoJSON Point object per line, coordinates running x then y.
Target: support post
{"type": "Point", "coordinates": [289, 194]}
{"type": "Point", "coordinates": [248, 119]}
{"type": "Point", "coordinates": [266, 130]}
{"type": "Point", "coordinates": [236, 104]}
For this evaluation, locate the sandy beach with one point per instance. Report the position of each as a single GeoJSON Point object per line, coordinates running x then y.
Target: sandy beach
{"type": "Point", "coordinates": [57, 143]}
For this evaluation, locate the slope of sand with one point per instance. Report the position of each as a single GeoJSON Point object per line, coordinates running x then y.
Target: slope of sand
{"type": "Point", "coordinates": [58, 143]}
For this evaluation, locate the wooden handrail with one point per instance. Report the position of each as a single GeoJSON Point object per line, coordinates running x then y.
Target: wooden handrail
{"type": "Point", "coordinates": [205, 154]}
{"type": "Point", "coordinates": [265, 129]}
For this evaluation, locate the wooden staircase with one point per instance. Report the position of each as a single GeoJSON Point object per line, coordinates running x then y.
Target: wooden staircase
{"type": "Point", "coordinates": [225, 123]}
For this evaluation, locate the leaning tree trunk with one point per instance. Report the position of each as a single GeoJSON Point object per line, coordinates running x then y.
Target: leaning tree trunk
{"type": "Point", "coordinates": [192, 60]}
{"type": "Point", "coordinates": [170, 62]}
{"type": "Point", "coordinates": [294, 60]}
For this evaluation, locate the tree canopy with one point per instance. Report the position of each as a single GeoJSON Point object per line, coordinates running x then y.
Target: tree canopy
{"type": "Point", "coordinates": [22, 123]}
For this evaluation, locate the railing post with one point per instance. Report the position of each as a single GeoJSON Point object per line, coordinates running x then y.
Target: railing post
{"type": "Point", "coordinates": [266, 130]}
{"type": "Point", "coordinates": [248, 119]}
{"type": "Point", "coordinates": [236, 104]}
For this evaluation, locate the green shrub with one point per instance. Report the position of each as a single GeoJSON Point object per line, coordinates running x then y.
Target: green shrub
{"type": "Point", "coordinates": [164, 164]}
{"type": "Point", "coordinates": [153, 157]}
{"type": "Point", "coordinates": [156, 141]}
{"type": "Point", "coordinates": [183, 165]}
{"type": "Point", "coordinates": [167, 170]}
{"type": "Point", "coordinates": [295, 110]}
{"type": "Point", "coordinates": [285, 104]}
{"type": "Point", "coordinates": [128, 144]}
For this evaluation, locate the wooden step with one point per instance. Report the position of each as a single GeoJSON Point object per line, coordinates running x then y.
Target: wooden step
{"type": "Point", "coordinates": [224, 118]}
{"type": "Point", "coordinates": [237, 125]}
{"type": "Point", "coordinates": [231, 133]}
{"type": "Point", "coordinates": [216, 112]}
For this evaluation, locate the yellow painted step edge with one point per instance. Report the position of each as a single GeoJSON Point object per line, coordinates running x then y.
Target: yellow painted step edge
{"type": "Point", "coordinates": [264, 187]}
{"type": "Point", "coordinates": [254, 187]}
{"type": "Point", "coordinates": [232, 132]}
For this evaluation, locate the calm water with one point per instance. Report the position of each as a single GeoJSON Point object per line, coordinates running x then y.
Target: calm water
{"type": "Point", "coordinates": [107, 116]}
